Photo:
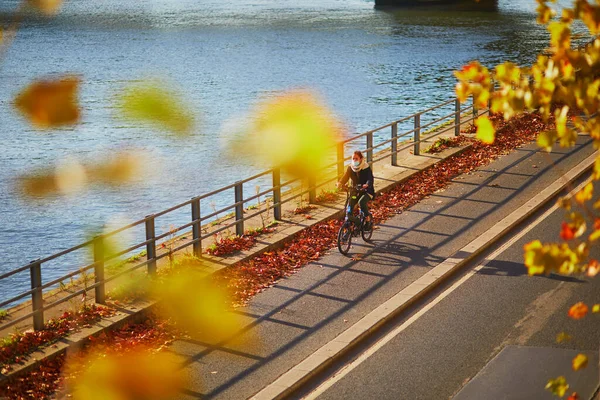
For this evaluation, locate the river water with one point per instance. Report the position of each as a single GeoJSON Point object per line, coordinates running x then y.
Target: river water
{"type": "Point", "coordinates": [370, 67]}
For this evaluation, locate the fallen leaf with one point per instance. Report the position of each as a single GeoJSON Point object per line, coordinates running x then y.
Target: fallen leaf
{"type": "Point", "coordinates": [578, 310]}
{"type": "Point", "coordinates": [562, 337]}
{"type": "Point", "coordinates": [579, 362]}
{"type": "Point", "coordinates": [558, 386]}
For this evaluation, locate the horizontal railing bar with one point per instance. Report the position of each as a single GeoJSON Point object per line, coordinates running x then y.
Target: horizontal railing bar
{"type": "Point", "coordinates": [183, 246]}
{"type": "Point", "coordinates": [131, 225]}
{"type": "Point", "coordinates": [382, 158]}
{"type": "Point", "coordinates": [69, 297]}
{"type": "Point", "coordinates": [217, 191]}
{"type": "Point", "coordinates": [256, 196]}
{"type": "Point", "coordinates": [129, 249]}
{"type": "Point", "coordinates": [434, 107]}
{"type": "Point", "coordinates": [259, 175]}
{"type": "Point", "coordinates": [221, 229]}
{"type": "Point", "coordinates": [168, 210]}
{"type": "Point", "coordinates": [132, 268]}
{"type": "Point", "coordinates": [61, 253]}
{"type": "Point", "coordinates": [214, 214]}
{"type": "Point", "coordinates": [355, 137]}
{"type": "Point", "coordinates": [16, 321]}
{"type": "Point", "coordinates": [70, 275]}
{"type": "Point", "coordinates": [17, 297]}
{"type": "Point", "coordinates": [439, 120]}
{"type": "Point", "coordinates": [172, 231]}
{"type": "Point", "coordinates": [16, 271]}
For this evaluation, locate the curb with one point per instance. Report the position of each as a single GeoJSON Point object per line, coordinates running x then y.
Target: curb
{"type": "Point", "coordinates": [73, 342]}
{"type": "Point", "coordinates": [293, 379]}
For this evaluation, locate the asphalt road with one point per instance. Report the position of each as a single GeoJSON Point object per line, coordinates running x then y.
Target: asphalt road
{"type": "Point", "coordinates": [479, 316]}
{"type": "Point", "coordinates": [305, 311]}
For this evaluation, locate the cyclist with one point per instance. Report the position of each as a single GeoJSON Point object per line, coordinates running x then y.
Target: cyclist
{"type": "Point", "coordinates": [361, 175]}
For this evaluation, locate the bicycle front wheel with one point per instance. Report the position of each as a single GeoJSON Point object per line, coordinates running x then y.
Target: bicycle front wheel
{"type": "Point", "coordinates": [344, 239]}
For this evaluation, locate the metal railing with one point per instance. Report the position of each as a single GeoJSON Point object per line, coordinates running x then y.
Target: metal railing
{"type": "Point", "coordinates": [388, 145]}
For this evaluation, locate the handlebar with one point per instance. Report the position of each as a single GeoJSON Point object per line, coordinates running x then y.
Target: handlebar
{"type": "Point", "coordinates": [358, 188]}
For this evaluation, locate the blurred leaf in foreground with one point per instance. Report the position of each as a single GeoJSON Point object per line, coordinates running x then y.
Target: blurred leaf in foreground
{"type": "Point", "coordinates": [294, 131]}
{"type": "Point", "coordinates": [48, 7]}
{"type": "Point", "coordinates": [151, 102]}
{"type": "Point", "coordinates": [197, 305]}
{"type": "Point", "coordinates": [485, 130]}
{"type": "Point", "coordinates": [50, 103]}
{"type": "Point", "coordinates": [70, 176]}
{"type": "Point", "coordinates": [137, 374]}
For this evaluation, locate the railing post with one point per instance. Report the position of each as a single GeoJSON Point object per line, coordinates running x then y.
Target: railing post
{"type": "Point", "coordinates": [395, 144]}
{"type": "Point", "coordinates": [312, 188]}
{"type": "Point", "coordinates": [196, 228]}
{"type": "Point", "coordinates": [474, 107]}
{"type": "Point", "coordinates": [456, 117]}
{"type": "Point", "coordinates": [99, 290]}
{"type": "Point", "coordinates": [239, 208]}
{"type": "Point", "coordinates": [37, 300]}
{"type": "Point", "coordinates": [369, 147]}
{"type": "Point", "coordinates": [340, 159]}
{"type": "Point", "coordinates": [417, 140]}
{"type": "Point", "coordinates": [277, 194]}
{"type": "Point", "coordinates": [150, 246]}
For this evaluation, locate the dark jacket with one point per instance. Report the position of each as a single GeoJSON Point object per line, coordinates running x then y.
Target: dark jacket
{"type": "Point", "coordinates": [363, 176]}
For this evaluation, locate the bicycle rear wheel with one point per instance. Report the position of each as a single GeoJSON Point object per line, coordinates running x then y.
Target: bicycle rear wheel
{"type": "Point", "coordinates": [344, 239]}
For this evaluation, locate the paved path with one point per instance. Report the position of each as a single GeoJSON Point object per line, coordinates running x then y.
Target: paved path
{"type": "Point", "coordinates": [303, 312]}
{"type": "Point", "coordinates": [496, 312]}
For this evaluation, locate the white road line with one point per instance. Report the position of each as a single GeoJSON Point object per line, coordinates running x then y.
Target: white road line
{"type": "Point", "coordinates": [387, 338]}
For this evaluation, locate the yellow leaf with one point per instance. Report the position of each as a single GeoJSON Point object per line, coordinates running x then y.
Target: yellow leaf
{"type": "Point", "coordinates": [558, 386]}
{"type": "Point", "coordinates": [579, 362]}
{"type": "Point", "coordinates": [70, 175]}
{"type": "Point", "coordinates": [138, 374]}
{"type": "Point", "coordinates": [594, 236]}
{"type": "Point", "coordinates": [293, 131]}
{"type": "Point", "coordinates": [544, 13]}
{"type": "Point", "coordinates": [590, 16]}
{"type": "Point", "coordinates": [596, 308]}
{"type": "Point", "coordinates": [563, 337]}
{"type": "Point", "coordinates": [48, 7]}
{"type": "Point", "coordinates": [560, 36]}
{"type": "Point", "coordinates": [50, 103]}
{"type": "Point", "coordinates": [596, 173]}
{"type": "Point", "coordinates": [462, 92]}
{"type": "Point", "coordinates": [546, 140]}
{"type": "Point", "coordinates": [585, 194]}
{"type": "Point", "coordinates": [197, 305]}
{"type": "Point", "coordinates": [152, 103]}
{"type": "Point", "coordinates": [485, 130]}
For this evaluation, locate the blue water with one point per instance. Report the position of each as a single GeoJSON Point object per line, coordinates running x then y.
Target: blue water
{"type": "Point", "coordinates": [370, 67]}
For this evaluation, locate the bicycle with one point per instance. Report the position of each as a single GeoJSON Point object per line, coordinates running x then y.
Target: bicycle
{"type": "Point", "coordinates": [352, 225]}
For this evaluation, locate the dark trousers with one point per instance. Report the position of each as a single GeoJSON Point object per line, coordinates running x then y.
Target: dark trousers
{"type": "Point", "coordinates": [362, 202]}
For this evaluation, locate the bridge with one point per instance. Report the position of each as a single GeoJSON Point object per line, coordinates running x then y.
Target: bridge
{"type": "Point", "coordinates": [475, 5]}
